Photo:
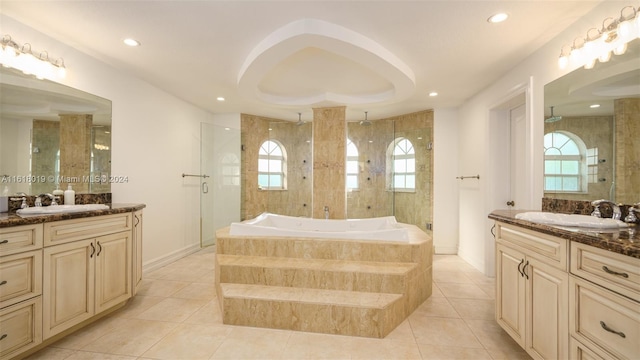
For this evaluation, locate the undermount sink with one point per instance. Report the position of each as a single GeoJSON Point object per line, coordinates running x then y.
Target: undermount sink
{"type": "Point", "coordinates": [573, 220]}
{"type": "Point", "coordinates": [60, 209]}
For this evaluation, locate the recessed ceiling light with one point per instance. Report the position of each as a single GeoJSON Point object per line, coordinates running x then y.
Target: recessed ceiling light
{"type": "Point", "coordinates": [594, 106]}
{"type": "Point", "coordinates": [131, 42]}
{"type": "Point", "coordinates": [433, 93]}
{"type": "Point", "coordinates": [497, 18]}
{"type": "Point", "coordinates": [220, 98]}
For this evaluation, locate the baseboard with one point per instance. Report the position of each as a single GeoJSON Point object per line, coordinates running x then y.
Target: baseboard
{"type": "Point", "coordinates": [169, 258]}
{"type": "Point", "coordinates": [446, 250]}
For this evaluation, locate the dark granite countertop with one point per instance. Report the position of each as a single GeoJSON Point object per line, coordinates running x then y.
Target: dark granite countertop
{"type": "Point", "coordinates": [12, 219]}
{"type": "Point", "coordinates": [624, 241]}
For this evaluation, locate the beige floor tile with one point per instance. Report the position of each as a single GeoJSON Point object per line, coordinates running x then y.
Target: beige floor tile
{"type": "Point", "coordinates": [51, 353]}
{"type": "Point", "coordinates": [451, 277]}
{"type": "Point", "coordinates": [462, 291]}
{"type": "Point", "coordinates": [383, 349]}
{"type": "Point", "coordinates": [132, 337]}
{"type": "Point", "coordinates": [87, 355]}
{"type": "Point", "coordinates": [208, 314]}
{"type": "Point", "coordinates": [435, 352]}
{"type": "Point", "coordinates": [489, 289]}
{"type": "Point", "coordinates": [155, 287]}
{"type": "Point", "coordinates": [402, 332]}
{"type": "Point", "coordinates": [90, 333]}
{"type": "Point", "coordinates": [436, 307]}
{"type": "Point", "coordinates": [252, 343]}
{"type": "Point", "coordinates": [479, 278]}
{"type": "Point", "coordinates": [443, 331]}
{"type": "Point", "coordinates": [480, 309]}
{"type": "Point", "coordinates": [435, 291]}
{"type": "Point", "coordinates": [172, 310]}
{"type": "Point", "coordinates": [189, 341]}
{"type": "Point", "coordinates": [302, 345]}
{"type": "Point", "coordinates": [137, 305]}
{"type": "Point", "coordinates": [202, 291]}
{"type": "Point", "coordinates": [497, 342]}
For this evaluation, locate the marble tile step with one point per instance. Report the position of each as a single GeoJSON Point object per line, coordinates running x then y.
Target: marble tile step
{"type": "Point", "coordinates": [314, 310]}
{"type": "Point", "coordinates": [349, 275]}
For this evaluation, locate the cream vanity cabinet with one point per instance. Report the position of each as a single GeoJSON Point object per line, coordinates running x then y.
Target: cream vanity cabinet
{"type": "Point", "coordinates": [87, 269]}
{"type": "Point", "coordinates": [532, 290]}
{"type": "Point", "coordinates": [604, 300]}
{"type": "Point", "coordinates": [20, 289]}
{"type": "Point", "coordinates": [137, 251]}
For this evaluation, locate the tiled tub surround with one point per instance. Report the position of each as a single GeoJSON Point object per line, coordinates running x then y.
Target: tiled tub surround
{"type": "Point", "coordinates": [334, 286]}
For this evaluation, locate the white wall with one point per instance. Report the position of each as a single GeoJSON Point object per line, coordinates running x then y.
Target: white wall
{"type": "Point", "coordinates": [155, 138]}
{"type": "Point", "coordinates": [445, 187]}
{"type": "Point", "coordinates": [475, 136]}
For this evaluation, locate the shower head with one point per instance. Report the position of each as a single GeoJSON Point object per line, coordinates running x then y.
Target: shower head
{"type": "Point", "coordinates": [365, 122]}
{"type": "Point", "coordinates": [300, 122]}
{"type": "Point", "coordinates": [552, 119]}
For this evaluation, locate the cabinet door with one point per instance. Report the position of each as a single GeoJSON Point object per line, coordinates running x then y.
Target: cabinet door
{"type": "Point", "coordinates": [137, 250]}
{"type": "Point", "coordinates": [510, 292]}
{"type": "Point", "coordinates": [547, 311]}
{"type": "Point", "coordinates": [113, 270]}
{"type": "Point", "coordinates": [67, 285]}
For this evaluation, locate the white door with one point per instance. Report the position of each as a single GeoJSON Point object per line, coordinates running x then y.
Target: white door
{"type": "Point", "coordinates": [518, 175]}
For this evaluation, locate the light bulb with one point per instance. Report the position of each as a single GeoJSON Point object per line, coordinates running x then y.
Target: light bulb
{"type": "Point", "coordinates": [27, 63]}
{"type": "Point", "coordinates": [590, 64]}
{"type": "Point", "coordinates": [625, 30]}
{"type": "Point", "coordinates": [620, 49]}
{"type": "Point", "coordinates": [563, 61]}
{"type": "Point", "coordinates": [605, 56]}
{"type": "Point", "coordinates": [62, 72]}
{"type": "Point", "coordinates": [575, 56]}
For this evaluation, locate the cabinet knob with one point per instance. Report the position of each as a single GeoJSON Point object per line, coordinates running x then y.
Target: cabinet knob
{"type": "Point", "coordinates": [511, 203]}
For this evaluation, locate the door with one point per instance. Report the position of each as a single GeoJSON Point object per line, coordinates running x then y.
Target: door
{"type": "Point", "coordinates": [113, 270]}
{"type": "Point", "coordinates": [510, 292]}
{"type": "Point", "coordinates": [68, 293]}
{"type": "Point", "coordinates": [518, 180]}
{"type": "Point", "coordinates": [220, 190]}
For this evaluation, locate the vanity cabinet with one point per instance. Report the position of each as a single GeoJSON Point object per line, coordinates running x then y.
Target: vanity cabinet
{"type": "Point", "coordinates": [604, 304]}
{"type": "Point", "coordinates": [532, 290]}
{"type": "Point", "coordinates": [87, 276]}
{"type": "Point", "coordinates": [20, 289]}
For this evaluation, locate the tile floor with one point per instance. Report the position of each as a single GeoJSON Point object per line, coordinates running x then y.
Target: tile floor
{"type": "Point", "coordinates": [176, 316]}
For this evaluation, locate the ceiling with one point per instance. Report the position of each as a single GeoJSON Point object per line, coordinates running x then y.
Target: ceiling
{"type": "Point", "coordinates": [281, 58]}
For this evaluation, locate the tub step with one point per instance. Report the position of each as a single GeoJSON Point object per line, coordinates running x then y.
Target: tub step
{"type": "Point", "coordinates": [314, 310]}
{"type": "Point", "coordinates": [367, 276]}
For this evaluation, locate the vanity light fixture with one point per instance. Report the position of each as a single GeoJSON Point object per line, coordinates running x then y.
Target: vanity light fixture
{"type": "Point", "coordinates": [23, 58]}
{"type": "Point", "coordinates": [594, 106]}
{"type": "Point", "coordinates": [600, 44]}
{"type": "Point", "coordinates": [220, 98]}
{"type": "Point", "coordinates": [497, 18]}
{"type": "Point", "coordinates": [433, 93]}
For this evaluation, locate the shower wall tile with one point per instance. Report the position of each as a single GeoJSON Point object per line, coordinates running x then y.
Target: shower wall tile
{"type": "Point", "coordinates": [627, 131]}
{"type": "Point", "coordinates": [329, 151]}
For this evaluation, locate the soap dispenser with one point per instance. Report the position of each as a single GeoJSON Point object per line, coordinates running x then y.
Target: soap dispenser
{"type": "Point", "coordinates": [58, 191]}
{"type": "Point", "coordinates": [69, 196]}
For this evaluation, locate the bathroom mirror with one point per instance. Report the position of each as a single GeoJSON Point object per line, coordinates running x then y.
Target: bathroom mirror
{"type": "Point", "coordinates": [52, 135]}
{"type": "Point", "coordinates": [592, 123]}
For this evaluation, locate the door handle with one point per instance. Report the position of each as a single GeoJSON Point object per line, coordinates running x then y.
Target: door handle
{"type": "Point", "coordinates": [524, 270]}
{"type": "Point", "coordinates": [93, 250]}
{"type": "Point", "coordinates": [205, 187]}
{"type": "Point", "coordinates": [511, 203]}
{"type": "Point", "coordinates": [99, 249]}
{"type": "Point", "coordinates": [520, 271]}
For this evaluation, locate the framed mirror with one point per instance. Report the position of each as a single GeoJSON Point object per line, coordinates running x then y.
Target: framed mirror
{"type": "Point", "coordinates": [592, 131]}
{"type": "Point", "coordinates": [52, 135]}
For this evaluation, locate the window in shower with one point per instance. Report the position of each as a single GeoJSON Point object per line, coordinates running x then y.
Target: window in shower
{"type": "Point", "coordinates": [402, 156]}
{"type": "Point", "coordinates": [565, 162]}
{"type": "Point", "coordinates": [353, 167]}
{"type": "Point", "coordinates": [272, 162]}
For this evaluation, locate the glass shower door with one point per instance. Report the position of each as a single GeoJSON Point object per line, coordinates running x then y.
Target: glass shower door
{"type": "Point", "coordinates": [220, 191]}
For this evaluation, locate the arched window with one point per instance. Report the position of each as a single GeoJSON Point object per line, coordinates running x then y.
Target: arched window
{"type": "Point", "coordinates": [271, 166]}
{"type": "Point", "coordinates": [565, 165]}
{"type": "Point", "coordinates": [353, 167]}
{"type": "Point", "coordinates": [230, 170]}
{"type": "Point", "coordinates": [402, 156]}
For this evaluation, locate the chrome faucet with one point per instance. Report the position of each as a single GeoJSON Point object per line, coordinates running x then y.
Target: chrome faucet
{"type": "Point", "coordinates": [52, 197]}
{"type": "Point", "coordinates": [614, 207]}
{"type": "Point", "coordinates": [326, 212]}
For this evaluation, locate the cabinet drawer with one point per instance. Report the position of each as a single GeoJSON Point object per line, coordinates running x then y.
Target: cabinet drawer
{"type": "Point", "coordinates": [20, 277]}
{"type": "Point", "coordinates": [617, 272]}
{"type": "Point", "coordinates": [578, 351]}
{"type": "Point", "coordinates": [20, 238]}
{"type": "Point", "coordinates": [605, 319]}
{"type": "Point", "coordinates": [551, 249]}
{"type": "Point", "coordinates": [20, 327]}
{"type": "Point", "coordinates": [60, 232]}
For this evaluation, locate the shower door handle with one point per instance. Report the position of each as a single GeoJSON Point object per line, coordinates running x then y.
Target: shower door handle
{"type": "Point", "coordinates": [205, 187]}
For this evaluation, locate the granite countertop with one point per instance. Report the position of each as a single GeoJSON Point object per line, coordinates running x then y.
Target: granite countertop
{"type": "Point", "coordinates": [12, 219]}
{"type": "Point", "coordinates": [623, 241]}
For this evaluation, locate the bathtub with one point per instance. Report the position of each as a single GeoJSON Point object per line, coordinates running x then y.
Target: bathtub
{"type": "Point", "coordinates": [266, 224]}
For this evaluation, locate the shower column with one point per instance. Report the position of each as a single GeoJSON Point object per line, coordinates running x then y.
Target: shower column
{"type": "Point", "coordinates": [329, 156]}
